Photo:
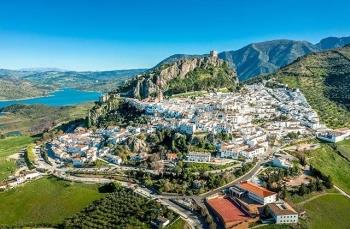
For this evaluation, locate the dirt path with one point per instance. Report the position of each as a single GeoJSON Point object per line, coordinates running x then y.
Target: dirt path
{"type": "Point", "coordinates": [342, 192]}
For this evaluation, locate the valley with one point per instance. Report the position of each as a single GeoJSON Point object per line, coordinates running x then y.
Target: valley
{"type": "Point", "coordinates": [31, 84]}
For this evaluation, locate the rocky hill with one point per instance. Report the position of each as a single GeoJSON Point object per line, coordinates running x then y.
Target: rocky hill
{"type": "Point", "coordinates": [324, 78]}
{"type": "Point", "coordinates": [183, 75]}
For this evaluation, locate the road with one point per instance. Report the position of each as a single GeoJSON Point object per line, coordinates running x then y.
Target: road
{"type": "Point", "coordinates": [192, 218]}
{"type": "Point", "coordinates": [246, 176]}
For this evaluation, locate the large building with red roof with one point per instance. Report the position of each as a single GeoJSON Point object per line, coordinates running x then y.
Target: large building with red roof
{"type": "Point", "coordinates": [228, 213]}
{"type": "Point", "coordinates": [254, 192]}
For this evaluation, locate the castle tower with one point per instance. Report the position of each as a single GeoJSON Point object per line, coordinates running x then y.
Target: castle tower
{"type": "Point", "coordinates": [213, 54]}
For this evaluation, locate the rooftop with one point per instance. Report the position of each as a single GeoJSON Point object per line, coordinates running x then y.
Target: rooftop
{"type": "Point", "coordinates": [227, 210]}
{"type": "Point", "coordinates": [256, 189]}
{"type": "Point", "coordinates": [281, 208]}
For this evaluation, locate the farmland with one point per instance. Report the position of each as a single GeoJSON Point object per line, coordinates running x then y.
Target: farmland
{"type": "Point", "coordinates": [45, 201]}
{"type": "Point", "coordinates": [8, 147]}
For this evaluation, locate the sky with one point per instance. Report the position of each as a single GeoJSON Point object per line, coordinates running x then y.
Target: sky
{"type": "Point", "coordinates": [124, 34]}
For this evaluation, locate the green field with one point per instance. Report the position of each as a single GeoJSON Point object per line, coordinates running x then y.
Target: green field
{"type": "Point", "coordinates": [45, 201]}
{"type": "Point", "coordinates": [8, 147]}
{"type": "Point", "coordinates": [177, 224]}
{"type": "Point", "coordinates": [344, 148]}
{"type": "Point", "coordinates": [330, 163]}
{"type": "Point", "coordinates": [330, 211]}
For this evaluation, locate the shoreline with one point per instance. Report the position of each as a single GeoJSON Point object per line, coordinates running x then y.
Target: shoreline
{"type": "Point", "coordinates": [46, 96]}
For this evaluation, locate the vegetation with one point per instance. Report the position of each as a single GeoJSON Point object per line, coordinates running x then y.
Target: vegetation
{"type": "Point", "coordinates": [177, 224]}
{"type": "Point", "coordinates": [29, 156]}
{"type": "Point", "coordinates": [328, 211]}
{"type": "Point", "coordinates": [35, 119]}
{"type": "Point", "coordinates": [8, 147]}
{"type": "Point", "coordinates": [44, 202]}
{"type": "Point", "coordinates": [182, 181]}
{"type": "Point", "coordinates": [327, 161]}
{"type": "Point", "coordinates": [120, 209]}
{"type": "Point", "coordinates": [204, 167]}
{"type": "Point", "coordinates": [124, 115]}
{"type": "Point", "coordinates": [343, 148]}
{"type": "Point", "coordinates": [202, 79]}
{"type": "Point", "coordinates": [324, 79]}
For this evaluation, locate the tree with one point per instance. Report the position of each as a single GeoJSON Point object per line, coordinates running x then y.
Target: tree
{"type": "Point", "coordinates": [107, 188]}
{"type": "Point", "coordinates": [167, 186]}
{"type": "Point", "coordinates": [328, 182]}
{"type": "Point", "coordinates": [303, 190]}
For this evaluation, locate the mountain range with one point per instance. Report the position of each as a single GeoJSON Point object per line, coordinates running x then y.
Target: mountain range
{"type": "Point", "coordinates": [250, 61]}
{"type": "Point", "coordinates": [269, 56]}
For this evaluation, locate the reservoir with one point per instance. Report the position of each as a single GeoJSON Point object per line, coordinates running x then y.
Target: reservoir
{"type": "Point", "coordinates": [63, 97]}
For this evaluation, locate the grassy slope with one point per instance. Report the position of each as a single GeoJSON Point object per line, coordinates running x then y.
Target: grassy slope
{"type": "Point", "coordinates": [33, 119]}
{"type": "Point", "coordinates": [47, 200]}
{"type": "Point", "coordinates": [330, 163]}
{"type": "Point", "coordinates": [10, 146]}
{"type": "Point", "coordinates": [344, 148]}
{"type": "Point", "coordinates": [332, 114]}
{"type": "Point", "coordinates": [331, 211]}
{"type": "Point", "coordinates": [178, 224]}
{"type": "Point", "coordinates": [324, 78]}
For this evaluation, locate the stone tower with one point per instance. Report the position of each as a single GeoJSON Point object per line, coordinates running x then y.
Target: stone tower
{"type": "Point", "coordinates": [213, 54]}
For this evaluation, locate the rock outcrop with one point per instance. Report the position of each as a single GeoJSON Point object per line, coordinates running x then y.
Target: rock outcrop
{"type": "Point", "coordinates": [156, 81]}
{"type": "Point", "coordinates": [106, 104]}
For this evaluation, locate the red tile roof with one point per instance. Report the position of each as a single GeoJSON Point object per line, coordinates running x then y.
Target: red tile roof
{"type": "Point", "coordinates": [227, 211]}
{"type": "Point", "coordinates": [256, 189]}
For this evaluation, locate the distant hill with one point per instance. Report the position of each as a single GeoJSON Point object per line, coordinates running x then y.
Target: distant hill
{"type": "Point", "coordinates": [266, 57]}
{"type": "Point", "coordinates": [333, 42]}
{"type": "Point", "coordinates": [16, 84]}
{"type": "Point", "coordinates": [324, 78]}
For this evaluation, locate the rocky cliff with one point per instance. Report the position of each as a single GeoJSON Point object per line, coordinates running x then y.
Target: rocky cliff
{"type": "Point", "coordinates": [106, 104]}
{"type": "Point", "coordinates": [208, 71]}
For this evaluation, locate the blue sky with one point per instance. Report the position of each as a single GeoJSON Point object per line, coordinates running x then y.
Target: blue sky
{"type": "Point", "coordinates": [107, 34]}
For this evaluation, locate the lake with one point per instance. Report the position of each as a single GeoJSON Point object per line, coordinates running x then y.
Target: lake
{"type": "Point", "coordinates": [63, 97]}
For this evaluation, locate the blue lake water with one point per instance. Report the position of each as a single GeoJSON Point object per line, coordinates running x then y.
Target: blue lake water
{"type": "Point", "coordinates": [64, 97]}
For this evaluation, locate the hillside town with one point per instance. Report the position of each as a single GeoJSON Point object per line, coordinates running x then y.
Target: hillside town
{"type": "Point", "coordinates": [253, 116]}
{"type": "Point", "coordinates": [259, 121]}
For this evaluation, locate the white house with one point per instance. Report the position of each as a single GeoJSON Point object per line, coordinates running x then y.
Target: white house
{"type": "Point", "coordinates": [253, 152]}
{"type": "Point", "coordinates": [198, 157]}
{"type": "Point", "coordinates": [333, 136]}
{"type": "Point", "coordinates": [280, 162]}
{"type": "Point", "coordinates": [187, 128]}
{"type": "Point", "coordinates": [282, 213]}
{"type": "Point", "coordinates": [114, 159]}
{"type": "Point", "coordinates": [257, 193]}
